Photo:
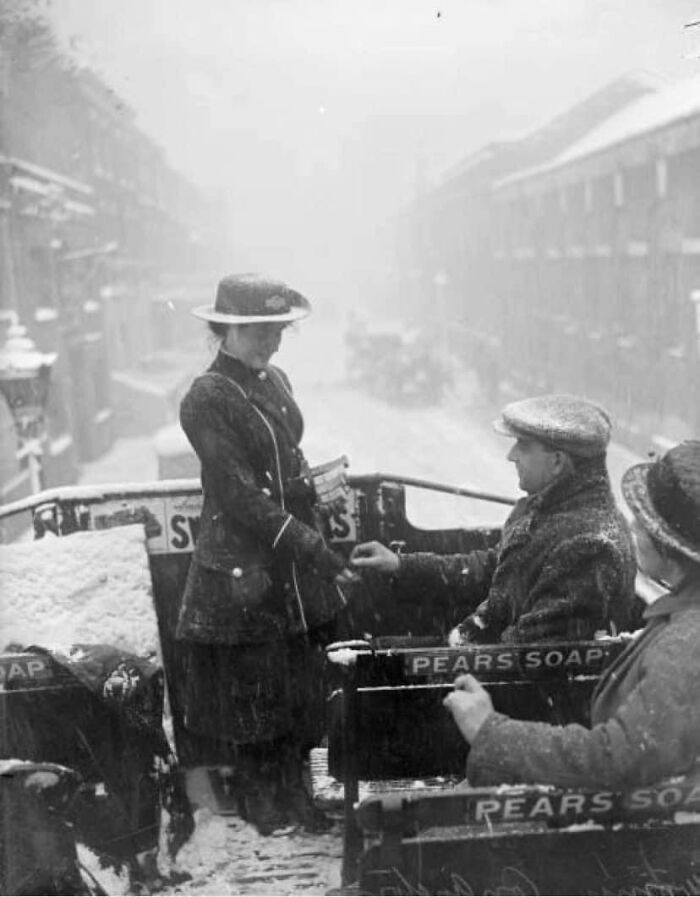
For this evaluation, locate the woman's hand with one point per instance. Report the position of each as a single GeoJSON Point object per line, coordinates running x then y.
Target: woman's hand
{"type": "Point", "coordinates": [374, 556]}
{"type": "Point", "coordinates": [469, 704]}
{"type": "Point", "coordinates": [346, 577]}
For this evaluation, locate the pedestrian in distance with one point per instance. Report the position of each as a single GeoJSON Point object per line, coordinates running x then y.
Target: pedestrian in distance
{"type": "Point", "coordinates": [564, 566]}
{"type": "Point", "coordinates": [645, 713]}
{"type": "Point", "coordinates": [264, 593]}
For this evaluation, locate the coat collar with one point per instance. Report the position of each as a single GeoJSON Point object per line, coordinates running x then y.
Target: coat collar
{"type": "Point", "coordinates": [590, 475]}
{"type": "Point", "coordinates": [680, 599]}
{"type": "Point", "coordinates": [265, 388]}
{"type": "Point", "coordinates": [234, 368]}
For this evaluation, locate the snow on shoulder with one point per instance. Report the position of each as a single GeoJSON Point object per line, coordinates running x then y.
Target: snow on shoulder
{"type": "Point", "coordinates": [93, 587]}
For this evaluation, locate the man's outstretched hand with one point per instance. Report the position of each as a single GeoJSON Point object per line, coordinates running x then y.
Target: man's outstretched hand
{"type": "Point", "coordinates": [374, 556]}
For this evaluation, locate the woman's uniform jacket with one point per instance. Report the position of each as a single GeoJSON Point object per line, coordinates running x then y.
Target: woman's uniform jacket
{"type": "Point", "coordinates": [257, 530]}
{"type": "Point", "coordinates": [564, 568]}
{"type": "Point", "coordinates": [645, 715]}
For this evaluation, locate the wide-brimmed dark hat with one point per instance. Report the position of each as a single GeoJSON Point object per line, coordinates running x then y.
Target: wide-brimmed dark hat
{"type": "Point", "coordinates": [664, 495]}
{"type": "Point", "coordinates": [253, 299]}
{"type": "Point", "coordinates": [565, 422]}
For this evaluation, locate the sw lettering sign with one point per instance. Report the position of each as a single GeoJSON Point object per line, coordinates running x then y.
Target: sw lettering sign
{"type": "Point", "coordinates": [569, 659]}
{"type": "Point", "coordinates": [172, 521]}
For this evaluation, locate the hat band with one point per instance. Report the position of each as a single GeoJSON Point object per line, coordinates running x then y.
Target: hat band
{"type": "Point", "coordinates": [673, 504]}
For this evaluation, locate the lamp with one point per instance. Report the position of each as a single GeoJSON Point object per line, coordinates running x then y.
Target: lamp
{"type": "Point", "coordinates": [24, 382]}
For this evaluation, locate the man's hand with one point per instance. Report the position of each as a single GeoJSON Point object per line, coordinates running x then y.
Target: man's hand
{"type": "Point", "coordinates": [374, 556]}
{"type": "Point", "coordinates": [456, 638]}
{"type": "Point", "coordinates": [469, 704]}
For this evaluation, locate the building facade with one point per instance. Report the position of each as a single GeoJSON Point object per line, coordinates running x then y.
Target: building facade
{"type": "Point", "coordinates": [579, 271]}
{"type": "Point", "coordinates": [94, 226]}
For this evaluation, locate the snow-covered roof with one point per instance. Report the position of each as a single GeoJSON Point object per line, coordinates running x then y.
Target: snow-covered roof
{"type": "Point", "coordinates": [48, 174]}
{"type": "Point", "coordinates": [19, 355]}
{"type": "Point", "coordinates": [673, 103]}
{"type": "Point", "coordinates": [655, 110]}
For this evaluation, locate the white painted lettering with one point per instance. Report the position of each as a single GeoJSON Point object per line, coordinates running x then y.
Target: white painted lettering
{"type": "Point", "coordinates": [440, 664]}
{"type": "Point", "coordinates": [16, 671]}
{"type": "Point", "coordinates": [602, 802]}
{"type": "Point", "coordinates": [542, 807]}
{"type": "Point", "coordinates": [693, 796]}
{"type": "Point", "coordinates": [484, 808]}
{"type": "Point", "coordinates": [574, 657]}
{"type": "Point", "coordinates": [669, 797]}
{"type": "Point", "coordinates": [640, 799]}
{"type": "Point", "coordinates": [35, 667]}
{"type": "Point", "coordinates": [461, 664]}
{"type": "Point", "coordinates": [504, 661]}
{"type": "Point", "coordinates": [533, 660]}
{"type": "Point", "coordinates": [420, 664]}
{"type": "Point", "coordinates": [572, 802]}
{"type": "Point", "coordinates": [553, 659]}
{"type": "Point", "coordinates": [594, 654]}
{"type": "Point", "coordinates": [482, 662]}
{"type": "Point", "coordinates": [513, 808]}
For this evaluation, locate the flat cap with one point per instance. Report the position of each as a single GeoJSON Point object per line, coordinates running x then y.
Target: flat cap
{"type": "Point", "coordinates": [565, 422]}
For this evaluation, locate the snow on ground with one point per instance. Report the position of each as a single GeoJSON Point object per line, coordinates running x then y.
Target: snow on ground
{"type": "Point", "coordinates": [227, 856]}
{"type": "Point", "coordinates": [131, 460]}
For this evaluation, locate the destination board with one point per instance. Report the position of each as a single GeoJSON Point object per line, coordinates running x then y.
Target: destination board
{"type": "Point", "coordinates": [571, 658]}
{"type": "Point", "coordinates": [19, 671]}
{"type": "Point", "coordinates": [171, 520]}
{"type": "Point", "coordinates": [536, 804]}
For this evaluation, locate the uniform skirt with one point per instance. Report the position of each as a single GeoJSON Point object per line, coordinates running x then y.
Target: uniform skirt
{"type": "Point", "coordinates": [246, 694]}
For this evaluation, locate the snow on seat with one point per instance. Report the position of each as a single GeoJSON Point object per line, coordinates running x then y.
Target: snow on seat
{"type": "Point", "coordinates": [87, 587]}
{"type": "Point", "coordinates": [329, 793]}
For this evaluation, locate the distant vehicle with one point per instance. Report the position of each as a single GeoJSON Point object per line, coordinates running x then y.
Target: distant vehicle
{"type": "Point", "coordinates": [396, 364]}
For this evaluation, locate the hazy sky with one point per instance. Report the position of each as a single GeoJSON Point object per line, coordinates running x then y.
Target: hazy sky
{"type": "Point", "coordinates": [277, 100]}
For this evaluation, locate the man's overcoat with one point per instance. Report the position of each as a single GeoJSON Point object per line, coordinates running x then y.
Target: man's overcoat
{"type": "Point", "coordinates": [564, 567]}
{"type": "Point", "coordinates": [645, 716]}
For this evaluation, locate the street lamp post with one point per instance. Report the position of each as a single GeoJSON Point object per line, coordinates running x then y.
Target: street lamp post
{"type": "Point", "coordinates": [24, 382]}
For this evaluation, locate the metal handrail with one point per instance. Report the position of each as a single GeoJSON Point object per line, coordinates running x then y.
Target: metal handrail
{"type": "Point", "coordinates": [154, 487]}
{"type": "Point", "coordinates": [464, 491]}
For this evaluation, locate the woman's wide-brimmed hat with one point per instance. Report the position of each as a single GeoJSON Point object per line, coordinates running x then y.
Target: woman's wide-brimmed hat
{"type": "Point", "coordinates": [664, 495]}
{"type": "Point", "coordinates": [253, 299]}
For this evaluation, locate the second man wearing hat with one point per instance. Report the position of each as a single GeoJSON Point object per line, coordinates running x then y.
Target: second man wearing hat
{"type": "Point", "coordinates": [564, 567]}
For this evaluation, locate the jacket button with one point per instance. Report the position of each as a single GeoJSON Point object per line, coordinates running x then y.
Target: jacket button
{"type": "Point", "coordinates": [237, 572]}
{"type": "Point", "coordinates": [287, 587]}
{"type": "Point", "coordinates": [284, 409]}
{"type": "Point", "coordinates": [266, 492]}
{"type": "Point", "coordinates": [262, 375]}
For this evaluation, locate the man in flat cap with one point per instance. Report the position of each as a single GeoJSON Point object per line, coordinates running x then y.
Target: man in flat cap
{"type": "Point", "coordinates": [564, 567]}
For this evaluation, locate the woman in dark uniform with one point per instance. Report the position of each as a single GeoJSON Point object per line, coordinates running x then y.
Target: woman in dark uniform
{"type": "Point", "coordinates": [264, 591]}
